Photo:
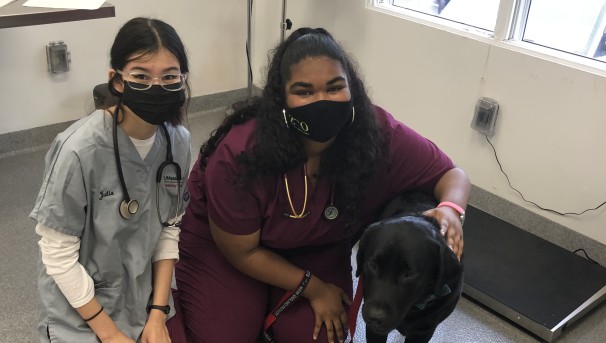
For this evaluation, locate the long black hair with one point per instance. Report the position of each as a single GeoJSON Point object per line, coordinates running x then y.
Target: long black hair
{"type": "Point", "coordinates": [145, 36]}
{"type": "Point", "coordinates": [350, 160]}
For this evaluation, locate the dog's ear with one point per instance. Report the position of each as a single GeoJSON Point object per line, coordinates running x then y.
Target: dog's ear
{"type": "Point", "coordinates": [361, 249]}
{"type": "Point", "coordinates": [448, 266]}
{"type": "Point", "coordinates": [393, 207]}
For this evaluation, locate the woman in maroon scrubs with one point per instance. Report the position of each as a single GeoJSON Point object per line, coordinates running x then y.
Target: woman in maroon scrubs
{"type": "Point", "coordinates": [281, 189]}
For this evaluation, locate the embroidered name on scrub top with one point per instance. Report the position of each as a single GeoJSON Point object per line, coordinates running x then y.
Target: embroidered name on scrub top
{"type": "Point", "coordinates": [170, 182]}
{"type": "Point", "coordinates": [104, 194]}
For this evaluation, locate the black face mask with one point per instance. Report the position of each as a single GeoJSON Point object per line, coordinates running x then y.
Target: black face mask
{"type": "Point", "coordinates": [155, 105]}
{"type": "Point", "coordinates": [321, 120]}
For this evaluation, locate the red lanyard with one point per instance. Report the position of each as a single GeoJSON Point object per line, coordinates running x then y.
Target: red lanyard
{"type": "Point", "coordinates": [291, 296]}
{"type": "Point", "coordinates": [287, 299]}
{"type": "Point", "coordinates": [355, 307]}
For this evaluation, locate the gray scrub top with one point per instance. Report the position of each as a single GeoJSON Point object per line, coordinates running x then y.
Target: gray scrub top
{"type": "Point", "coordinates": [80, 196]}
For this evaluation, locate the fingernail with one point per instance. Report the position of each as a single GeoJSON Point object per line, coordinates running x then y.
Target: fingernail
{"type": "Point", "coordinates": [450, 246]}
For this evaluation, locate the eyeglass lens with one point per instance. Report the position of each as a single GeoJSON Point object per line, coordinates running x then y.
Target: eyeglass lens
{"type": "Point", "coordinates": [143, 81]}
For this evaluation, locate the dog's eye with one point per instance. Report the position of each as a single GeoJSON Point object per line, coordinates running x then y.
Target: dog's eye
{"type": "Point", "coordinates": [372, 265]}
{"type": "Point", "coordinates": [405, 278]}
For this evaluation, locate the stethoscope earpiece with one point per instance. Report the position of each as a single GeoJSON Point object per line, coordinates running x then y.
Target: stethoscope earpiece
{"type": "Point", "coordinates": [128, 208]}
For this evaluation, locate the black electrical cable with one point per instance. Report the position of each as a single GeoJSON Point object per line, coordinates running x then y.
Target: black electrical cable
{"type": "Point", "coordinates": [532, 202]}
{"type": "Point", "coordinates": [250, 73]}
{"type": "Point", "coordinates": [586, 256]}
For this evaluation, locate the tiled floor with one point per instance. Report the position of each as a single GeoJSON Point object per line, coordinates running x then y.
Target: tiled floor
{"type": "Point", "coordinates": [20, 178]}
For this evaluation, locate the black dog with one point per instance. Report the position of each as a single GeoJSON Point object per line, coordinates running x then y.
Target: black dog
{"type": "Point", "coordinates": [412, 281]}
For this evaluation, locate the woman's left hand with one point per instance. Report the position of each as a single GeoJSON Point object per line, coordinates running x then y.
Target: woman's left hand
{"type": "Point", "coordinates": [155, 330]}
{"type": "Point", "coordinates": [450, 227]}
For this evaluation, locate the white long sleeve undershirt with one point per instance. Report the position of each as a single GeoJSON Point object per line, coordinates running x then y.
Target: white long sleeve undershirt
{"type": "Point", "coordinates": [61, 252]}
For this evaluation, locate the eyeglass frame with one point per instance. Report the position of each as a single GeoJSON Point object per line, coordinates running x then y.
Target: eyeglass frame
{"type": "Point", "coordinates": [183, 78]}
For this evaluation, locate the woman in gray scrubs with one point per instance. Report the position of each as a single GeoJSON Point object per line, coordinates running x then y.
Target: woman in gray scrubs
{"type": "Point", "coordinates": [109, 208]}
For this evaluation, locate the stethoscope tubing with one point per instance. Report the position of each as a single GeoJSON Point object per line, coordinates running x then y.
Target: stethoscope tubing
{"type": "Point", "coordinates": [128, 207]}
{"type": "Point", "coordinates": [169, 162]}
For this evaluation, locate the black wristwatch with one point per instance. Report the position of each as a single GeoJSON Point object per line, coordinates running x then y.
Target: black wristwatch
{"type": "Point", "coordinates": [165, 309]}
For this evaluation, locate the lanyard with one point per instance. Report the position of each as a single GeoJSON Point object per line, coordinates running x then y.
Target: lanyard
{"type": "Point", "coordinates": [355, 307]}
{"type": "Point", "coordinates": [287, 299]}
{"type": "Point", "coordinates": [291, 296]}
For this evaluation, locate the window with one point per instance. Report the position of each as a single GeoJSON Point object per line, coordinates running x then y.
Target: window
{"type": "Point", "coordinates": [573, 26]}
{"type": "Point", "coordinates": [434, 7]}
{"type": "Point", "coordinates": [481, 14]}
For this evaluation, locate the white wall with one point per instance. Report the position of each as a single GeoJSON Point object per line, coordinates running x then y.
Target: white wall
{"type": "Point", "coordinates": [549, 134]}
{"type": "Point", "coordinates": [550, 131]}
{"type": "Point", "coordinates": [266, 23]}
{"type": "Point", "coordinates": [214, 33]}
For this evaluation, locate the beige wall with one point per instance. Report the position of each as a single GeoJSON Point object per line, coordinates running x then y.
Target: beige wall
{"type": "Point", "coordinates": [550, 132]}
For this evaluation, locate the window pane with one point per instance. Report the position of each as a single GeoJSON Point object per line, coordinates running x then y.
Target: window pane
{"type": "Point", "coordinates": [478, 13]}
{"type": "Point", "coordinates": [575, 26]}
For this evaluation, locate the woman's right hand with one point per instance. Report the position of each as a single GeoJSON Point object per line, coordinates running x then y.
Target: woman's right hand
{"type": "Point", "coordinates": [327, 303]}
{"type": "Point", "coordinates": [246, 254]}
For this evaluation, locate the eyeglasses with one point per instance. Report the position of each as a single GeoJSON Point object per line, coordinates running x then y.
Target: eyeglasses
{"type": "Point", "coordinates": [143, 81]}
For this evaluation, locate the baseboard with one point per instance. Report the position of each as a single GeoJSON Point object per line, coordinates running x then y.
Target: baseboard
{"type": "Point", "coordinates": [223, 100]}
{"type": "Point", "coordinates": [13, 143]}
{"type": "Point", "coordinates": [538, 225]}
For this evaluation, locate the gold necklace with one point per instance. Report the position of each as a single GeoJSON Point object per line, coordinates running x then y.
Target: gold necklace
{"type": "Point", "coordinates": [293, 213]}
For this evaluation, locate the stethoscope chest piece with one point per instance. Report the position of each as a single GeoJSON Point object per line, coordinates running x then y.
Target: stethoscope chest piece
{"type": "Point", "coordinates": [331, 212]}
{"type": "Point", "coordinates": [128, 208]}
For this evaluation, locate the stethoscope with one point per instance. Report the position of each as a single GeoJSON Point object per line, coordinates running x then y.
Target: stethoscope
{"type": "Point", "coordinates": [128, 207]}
{"type": "Point", "coordinates": [331, 212]}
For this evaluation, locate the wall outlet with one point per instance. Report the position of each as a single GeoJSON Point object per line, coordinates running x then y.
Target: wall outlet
{"type": "Point", "coordinates": [485, 116]}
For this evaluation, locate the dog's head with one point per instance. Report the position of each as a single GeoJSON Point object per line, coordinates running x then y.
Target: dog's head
{"type": "Point", "coordinates": [404, 260]}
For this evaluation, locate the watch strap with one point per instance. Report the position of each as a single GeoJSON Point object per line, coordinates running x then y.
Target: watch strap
{"type": "Point", "coordinates": [165, 308]}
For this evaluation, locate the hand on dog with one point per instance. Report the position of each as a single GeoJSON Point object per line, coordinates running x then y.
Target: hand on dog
{"type": "Point", "coordinates": [327, 303]}
{"type": "Point", "coordinates": [450, 227]}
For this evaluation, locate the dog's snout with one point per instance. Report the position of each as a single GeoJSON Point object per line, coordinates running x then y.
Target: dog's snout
{"type": "Point", "coordinates": [375, 316]}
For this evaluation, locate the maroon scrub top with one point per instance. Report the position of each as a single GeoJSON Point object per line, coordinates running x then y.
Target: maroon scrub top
{"type": "Point", "coordinates": [217, 299]}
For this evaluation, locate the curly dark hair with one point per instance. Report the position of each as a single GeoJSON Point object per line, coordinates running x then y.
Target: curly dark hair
{"type": "Point", "coordinates": [350, 160]}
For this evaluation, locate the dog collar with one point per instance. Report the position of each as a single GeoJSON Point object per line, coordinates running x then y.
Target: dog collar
{"type": "Point", "coordinates": [445, 290]}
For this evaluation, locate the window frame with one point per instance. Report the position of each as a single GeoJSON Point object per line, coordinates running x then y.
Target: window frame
{"type": "Point", "coordinates": [508, 32]}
